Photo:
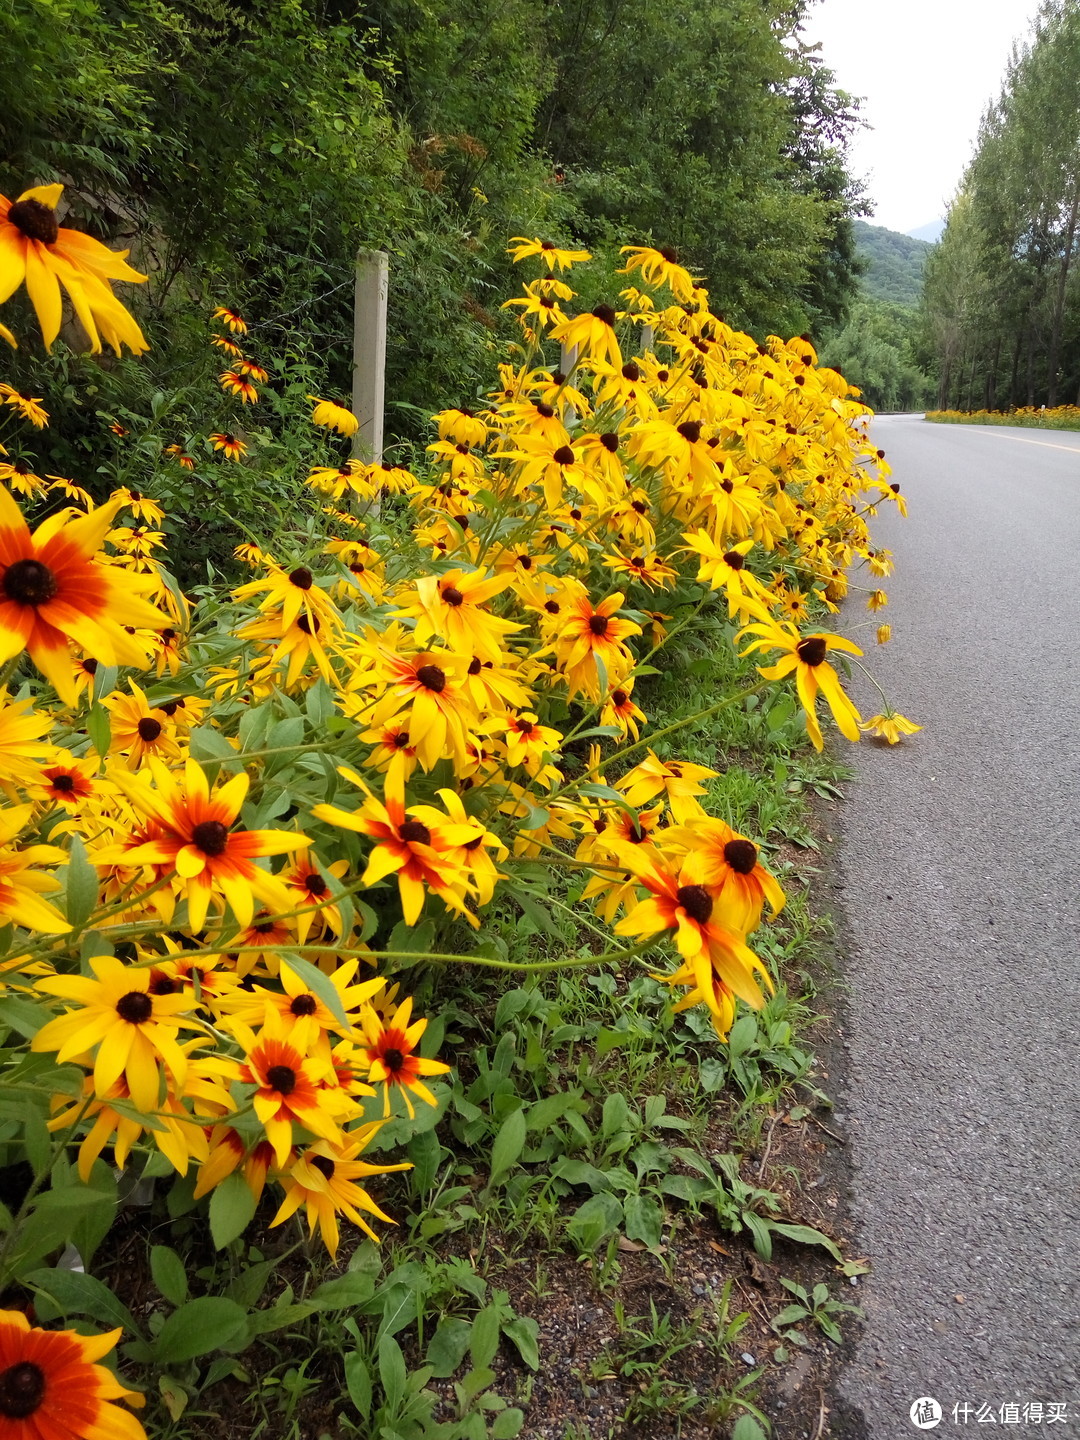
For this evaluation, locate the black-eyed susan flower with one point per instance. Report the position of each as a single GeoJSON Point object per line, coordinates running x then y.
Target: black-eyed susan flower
{"type": "Point", "coordinates": [391, 1043]}
{"type": "Point", "coordinates": [196, 839]}
{"type": "Point", "coordinates": [28, 406]}
{"type": "Point", "coordinates": [290, 1088]}
{"type": "Point", "coordinates": [805, 656]}
{"type": "Point", "coordinates": [234, 383]}
{"type": "Point", "coordinates": [180, 455]}
{"type": "Point", "coordinates": [323, 1180]}
{"type": "Point", "coordinates": [554, 256]}
{"type": "Point", "coordinates": [130, 1030]}
{"type": "Point", "coordinates": [23, 750]}
{"type": "Point", "coordinates": [21, 883]}
{"type": "Point", "coordinates": [729, 866]}
{"type": "Point", "coordinates": [890, 725]}
{"type": "Point", "coordinates": [678, 781]}
{"type": "Point", "coordinates": [592, 334]}
{"type": "Point", "coordinates": [54, 590]}
{"type": "Point", "coordinates": [233, 322]}
{"type": "Point", "coordinates": [659, 267]}
{"type": "Point", "coordinates": [231, 446]}
{"type": "Point", "coordinates": [588, 634]}
{"type": "Point", "coordinates": [452, 607]}
{"type": "Point", "coordinates": [139, 730]}
{"type": "Point", "coordinates": [51, 1387]}
{"type": "Point", "coordinates": [332, 416]}
{"type": "Point", "coordinates": [35, 249]}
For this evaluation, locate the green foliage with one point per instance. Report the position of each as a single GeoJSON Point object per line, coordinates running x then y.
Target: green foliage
{"type": "Point", "coordinates": [874, 351]}
{"type": "Point", "coordinates": [894, 264]}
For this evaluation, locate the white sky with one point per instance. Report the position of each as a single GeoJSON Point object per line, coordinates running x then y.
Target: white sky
{"type": "Point", "coordinates": [926, 70]}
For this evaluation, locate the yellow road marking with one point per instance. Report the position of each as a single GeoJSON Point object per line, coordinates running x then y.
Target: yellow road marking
{"type": "Point", "coordinates": [1046, 444]}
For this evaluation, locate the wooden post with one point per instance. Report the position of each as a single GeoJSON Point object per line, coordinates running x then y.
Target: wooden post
{"type": "Point", "coordinates": [369, 352]}
{"type": "Point", "coordinates": [648, 338]}
{"type": "Point", "coordinates": [568, 355]}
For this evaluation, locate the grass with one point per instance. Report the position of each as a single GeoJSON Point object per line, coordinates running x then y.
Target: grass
{"type": "Point", "coordinates": [576, 1235]}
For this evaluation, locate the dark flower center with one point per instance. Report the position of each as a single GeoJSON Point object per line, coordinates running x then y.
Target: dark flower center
{"type": "Point", "coordinates": [663, 375]}
{"type": "Point", "coordinates": [564, 455]}
{"type": "Point", "coordinates": [135, 1007]}
{"type": "Point", "coordinates": [741, 855]}
{"type": "Point", "coordinates": [281, 1078]}
{"type": "Point", "coordinates": [475, 665]}
{"type": "Point", "coordinates": [610, 441]}
{"type": "Point", "coordinates": [308, 624]}
{"type": "Point", "coordinates": [211, 837]}
{"type": "Point", "coordinates": [324, 1165]}
{"type": "Point", "coordinates": [90, 665]}
{"type": "Point", "coordinates": [547, 411]}
{"type": "Point", "coordinates": [812, 651]}
{"type": "Point", "coordinates": [393, 1059]}
{"type": "Point", "coordinates": [304, 1005]}
{"type": "Point", "coordinates": [727, 486]}
{"type": "Point", "coordinates": [29, 582]}
{"type": "Point", "coordinates": [552, 607]}
{"type": "Point", "coordinates": [525, 561]}
{"type": "Point", "coordinates": [315, 885]}
{"type": "Point", "coordinates": [432, 678]}
{"type": "Point", "coordinates": [734, 559]}
{"type": "Point", "coordinates": [63, 782]}
{"type": "Point", "coordinates": [670, 254]}
{"type": "Point", "coordinates": [631, 371]}
{"type": "Point", "coordinates": [162, 985]}
{"type": "Point", "coordinates": [696, 901]}
{"type": "Point", "coordinates": [414, 832]}
{"type": "Point", "coordinates": [169, 708]}
{"type": "Point", "coordinates": [22, 1386]}
{"type": "Point", "coordinates": [525, 727]}
{"type": "Point", "coordinates": [35, 220]}
{"type": "Point", "coordinates": [148, 728]}
{"type": "Point", "coordinates": [400, 741]}
{"type": "Point", "coordinates": [690, 430]}
{"type": "Point", "coordinates": [301, 577]}
{"type": "Point", "coordinates": [641, 506]}
{"type": "Point", "coordinates": [620, 697]}
{"type": "Point", "coordinates": [453, 596]}
{"type": "Point", "coordinates": [604, 313]}
{"type": "Point", "coordinates": [598, 624]}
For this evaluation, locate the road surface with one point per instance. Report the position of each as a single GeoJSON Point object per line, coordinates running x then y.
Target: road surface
{"type": "Point", "coordinates": [959, 863]}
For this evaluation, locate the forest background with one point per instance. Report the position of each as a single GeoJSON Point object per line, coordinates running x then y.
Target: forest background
{"type": "Point", "coordinates": [247, 153]}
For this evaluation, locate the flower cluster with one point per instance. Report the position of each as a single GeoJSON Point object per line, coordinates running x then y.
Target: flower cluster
{"type": "Point", "coordinates": [218, 835]}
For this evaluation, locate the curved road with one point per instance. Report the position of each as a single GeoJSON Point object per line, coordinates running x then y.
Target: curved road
{"type": "Point", "coordinates": [960, 870]}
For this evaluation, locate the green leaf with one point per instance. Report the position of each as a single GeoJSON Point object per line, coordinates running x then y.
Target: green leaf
{"type": "Point", "coordinates": [524, 1331]}
{"type": "Point", "coordinates": [747, 1428]}
{"type": "Point", "coordinates": [232, 1208]}
{"type": "Point", "coordinates": [356, 1287]}
{"type": "Point", "coordinates": [449, 1346]}
{"type": "Point", "coordinates": [616, 1115]}
{"type": "Point", "coordinates": [743, 1034]}
{"type": "Point", "coordinates": [806, 1235]}
{"type": "Point", "coordinates": [78, 1294]}
{"type": "Point", "coordinates": [484, 1340]}
{"type": "Point", "coordinates": [207, 743]}
{"type": "Point", "coordinates": [318, 984]}
{"type": "Point", "coordinates": [25, 1017]}
{"type": "Point", "coordinates": [99, 729]}
{"type": "Point", "coordinates": [80, 886]}
{"type": "Point", "coordinates": [599, 1217]}
{"type": "Point", "coordinates": [508, 1145]}
{"type": "Point", "coordinates": [644, 1220]}
{"type": "Point", "coordinates": [198, 1328]}
{"type": "Point", "coordinates": [790, 1315]}
{"type": "Point", "coordinates": [280, 1317]}
{"type": "Point", "coordinates": [358, 1382]}
{"type": "Point", "coordinates": [392, 1371]}
{"type": "Point", "coordinates": [169, 1274]}
{"type": "Point", "coordinates": [507, 1425]}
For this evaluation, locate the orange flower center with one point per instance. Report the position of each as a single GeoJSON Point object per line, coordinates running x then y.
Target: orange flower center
{"type": "Point", "coordinates": [211, 837]}
{"type": "Point", "coordinates": [35, 220]}
{"type": "Point", "coordinates": [22, 1386]}
{"type": "Point", "coordinates": [741, 855]}
{"type": "Point", "coordinates": [29, 582]}
{"type": "Point", "coordinates": [135, 1007]}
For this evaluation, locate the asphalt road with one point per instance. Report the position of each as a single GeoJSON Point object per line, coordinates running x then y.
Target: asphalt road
{"type": "Point", "coordinates": [959, 861]}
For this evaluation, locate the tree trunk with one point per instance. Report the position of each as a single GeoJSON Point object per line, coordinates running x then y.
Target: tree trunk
{"type": "Point", "coordinates": [1015, 377]}
{"type": "Point", "coordinates": [990, 392]}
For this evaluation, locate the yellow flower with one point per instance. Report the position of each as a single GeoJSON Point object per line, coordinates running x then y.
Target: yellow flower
{"type": "Point", "coordinates": [551, 254]}
{"type": "Point", "coordinates": [130, 1028]}
{"type": "Point", "coordinates": [333, 417]}
{"type": "Point", "coordinates": [20, 886]}
{"type": "Point", "coordinates": [27, 406]}
{"type": "Point", "coordinates": [324, 1181]}
{"type": "Point", "coordinates": [884, 634]}
{"type": "Point", "coordinates": [805, 656]}
{"type": "Point", "coordinates": [889, 726]}
{"type": "Point", "coordinates": [34, 249]}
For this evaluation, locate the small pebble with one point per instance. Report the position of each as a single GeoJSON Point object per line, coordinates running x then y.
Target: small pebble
{"type": "Point", "coordinates": [747, 1358]}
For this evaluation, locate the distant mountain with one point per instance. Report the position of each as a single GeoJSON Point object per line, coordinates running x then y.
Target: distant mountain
{"type": "Point", "coordinates": [894, 263]}
{"type": "Point", "coordinates": [931, 232]}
